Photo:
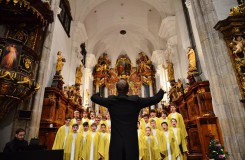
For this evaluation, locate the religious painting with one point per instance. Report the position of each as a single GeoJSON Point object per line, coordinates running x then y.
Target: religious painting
{"type": "Point", "coordinates": [10, 56]}
{"type": "Point", "coordinates": [123, 66]}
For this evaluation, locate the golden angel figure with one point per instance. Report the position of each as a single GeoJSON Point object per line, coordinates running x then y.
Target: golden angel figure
{"type": "Point", "coordinates": [170, 69]}
{"type": "Point", "coordinates": [59, 63]}
{"type": "Point", "coordinates": [79, 74]}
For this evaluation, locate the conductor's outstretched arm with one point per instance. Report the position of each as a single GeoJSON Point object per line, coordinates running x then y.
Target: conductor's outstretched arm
{"type": "Point", "coordinates": [96, 98]}
{"type": "Point", "coordinates": [146, 102]}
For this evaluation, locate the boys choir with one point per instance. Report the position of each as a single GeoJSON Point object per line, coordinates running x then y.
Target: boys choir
{"type": "Point", "coordinates": [160, 138]}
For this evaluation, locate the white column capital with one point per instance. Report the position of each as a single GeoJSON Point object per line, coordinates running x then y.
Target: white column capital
{"type": "Point", "coordinates": [157, 57]}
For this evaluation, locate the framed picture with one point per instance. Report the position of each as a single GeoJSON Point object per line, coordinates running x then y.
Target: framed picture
{"type": "Point", "coordinates": [10, 56]}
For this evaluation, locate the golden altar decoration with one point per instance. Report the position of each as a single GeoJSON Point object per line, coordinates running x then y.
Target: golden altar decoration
{"type": "Point", "coordinates": [233, 30]}
{"type": "Point", "coordinates": [136, 76]}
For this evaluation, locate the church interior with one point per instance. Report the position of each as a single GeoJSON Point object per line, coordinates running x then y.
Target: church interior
{"type": "Point", "coordinates": [55, 54]}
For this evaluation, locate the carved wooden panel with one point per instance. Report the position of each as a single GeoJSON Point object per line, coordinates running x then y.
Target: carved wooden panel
{"type": "Point", "coordinates": [195, 145]}
{"type": "Point", "coordinates": [205, 103]}
{"type": "Point", "coordinates": [47, 137]}
{"type": "Point", "coordinates": [183, 111]}
{"type": "Point", "coordinates": [193, 109]}
{"type": "Point", "coordinates": [60, 113]}
{"type": "Point", "coordinates": [48, 111]}
{"type": "Point", "coordinates": [208, 127]}
{"type": "Point", "coordinates": [55, 107]}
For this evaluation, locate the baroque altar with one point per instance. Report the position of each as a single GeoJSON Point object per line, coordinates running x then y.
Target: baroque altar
{"type": "Point", "coordinates": [140, 77]}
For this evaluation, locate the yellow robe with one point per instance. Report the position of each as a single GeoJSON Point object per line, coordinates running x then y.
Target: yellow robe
{"type": "Point", "coordinates": [143, 125]}
{"type": "Point", "coordinates": [60, 137]}
{"type": "Point", "coordinates": [98, 142]}
{"type": "Point", "coordinates": [150, 148]}
{"type": "Point", "coordinates": [73, 121]}
{"type": "Point", "coordinates": [181, 140]}
{"type": "Point", "coordinates": [173, 145]}
{"type": "Point", "coordinates": [157, 135]}
{"type": "Point", "coordinates": [78, 146]}
{"type": "Point", "coordinates": [104, 150]}
{"type": "Point", "coordinates": [163, 120]}
{"type": "Point", "coordinates": [180, 122]}
{"type": "Point", "coordinates": [140, 141]}
{"type": "Point", "coordinates": [85, 120]}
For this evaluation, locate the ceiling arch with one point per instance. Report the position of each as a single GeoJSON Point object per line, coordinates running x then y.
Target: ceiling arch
{"type": "Point", "coordinates": [83, 7]}
{"type": "Point", "coordinates": [104, 19]}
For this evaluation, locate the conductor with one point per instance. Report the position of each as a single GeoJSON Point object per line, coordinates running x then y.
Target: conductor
{"type": "Point", "coordinates": [124, 112]}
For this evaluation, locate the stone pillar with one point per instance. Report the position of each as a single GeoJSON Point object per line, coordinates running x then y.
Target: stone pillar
{"type": "Point", "coordinates": [218, 68]}
{"type": "Point", "coordinates": [88, 79]}
{"type": "Point", "coordinates": [43, 78]}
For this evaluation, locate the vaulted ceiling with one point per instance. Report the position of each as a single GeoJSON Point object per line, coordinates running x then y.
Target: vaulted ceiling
{"type": "Point", "coordinates": [104, 19]}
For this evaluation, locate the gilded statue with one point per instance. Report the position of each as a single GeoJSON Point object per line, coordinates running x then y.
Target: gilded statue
{"type": "Point", "coordinates": [59, 63]}
{"type": "Point", "coordinates": [134, 81]}
{"type": "Point", "coordinates": [112, 76]}
{"type": "Point", "coordinates": [98, 71]}
{"type": "Point", "coordinates": [170, 69]}
{"type": "Point", "coordinates": [134, 76]}
{"type": "Point", "coordinates": [238, 10]}
{"type": "Point", "coordinates": [79, 74]}
{"type": "Point", "coordinates": [192, 61]}
{"type": "Point", "coordinates": [27, 63]}
{"type": "Point", "coordinates": [145, 68]}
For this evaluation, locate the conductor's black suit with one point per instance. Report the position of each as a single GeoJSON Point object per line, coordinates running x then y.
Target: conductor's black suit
{"type": "Point", "coordinates": [124, 112]}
